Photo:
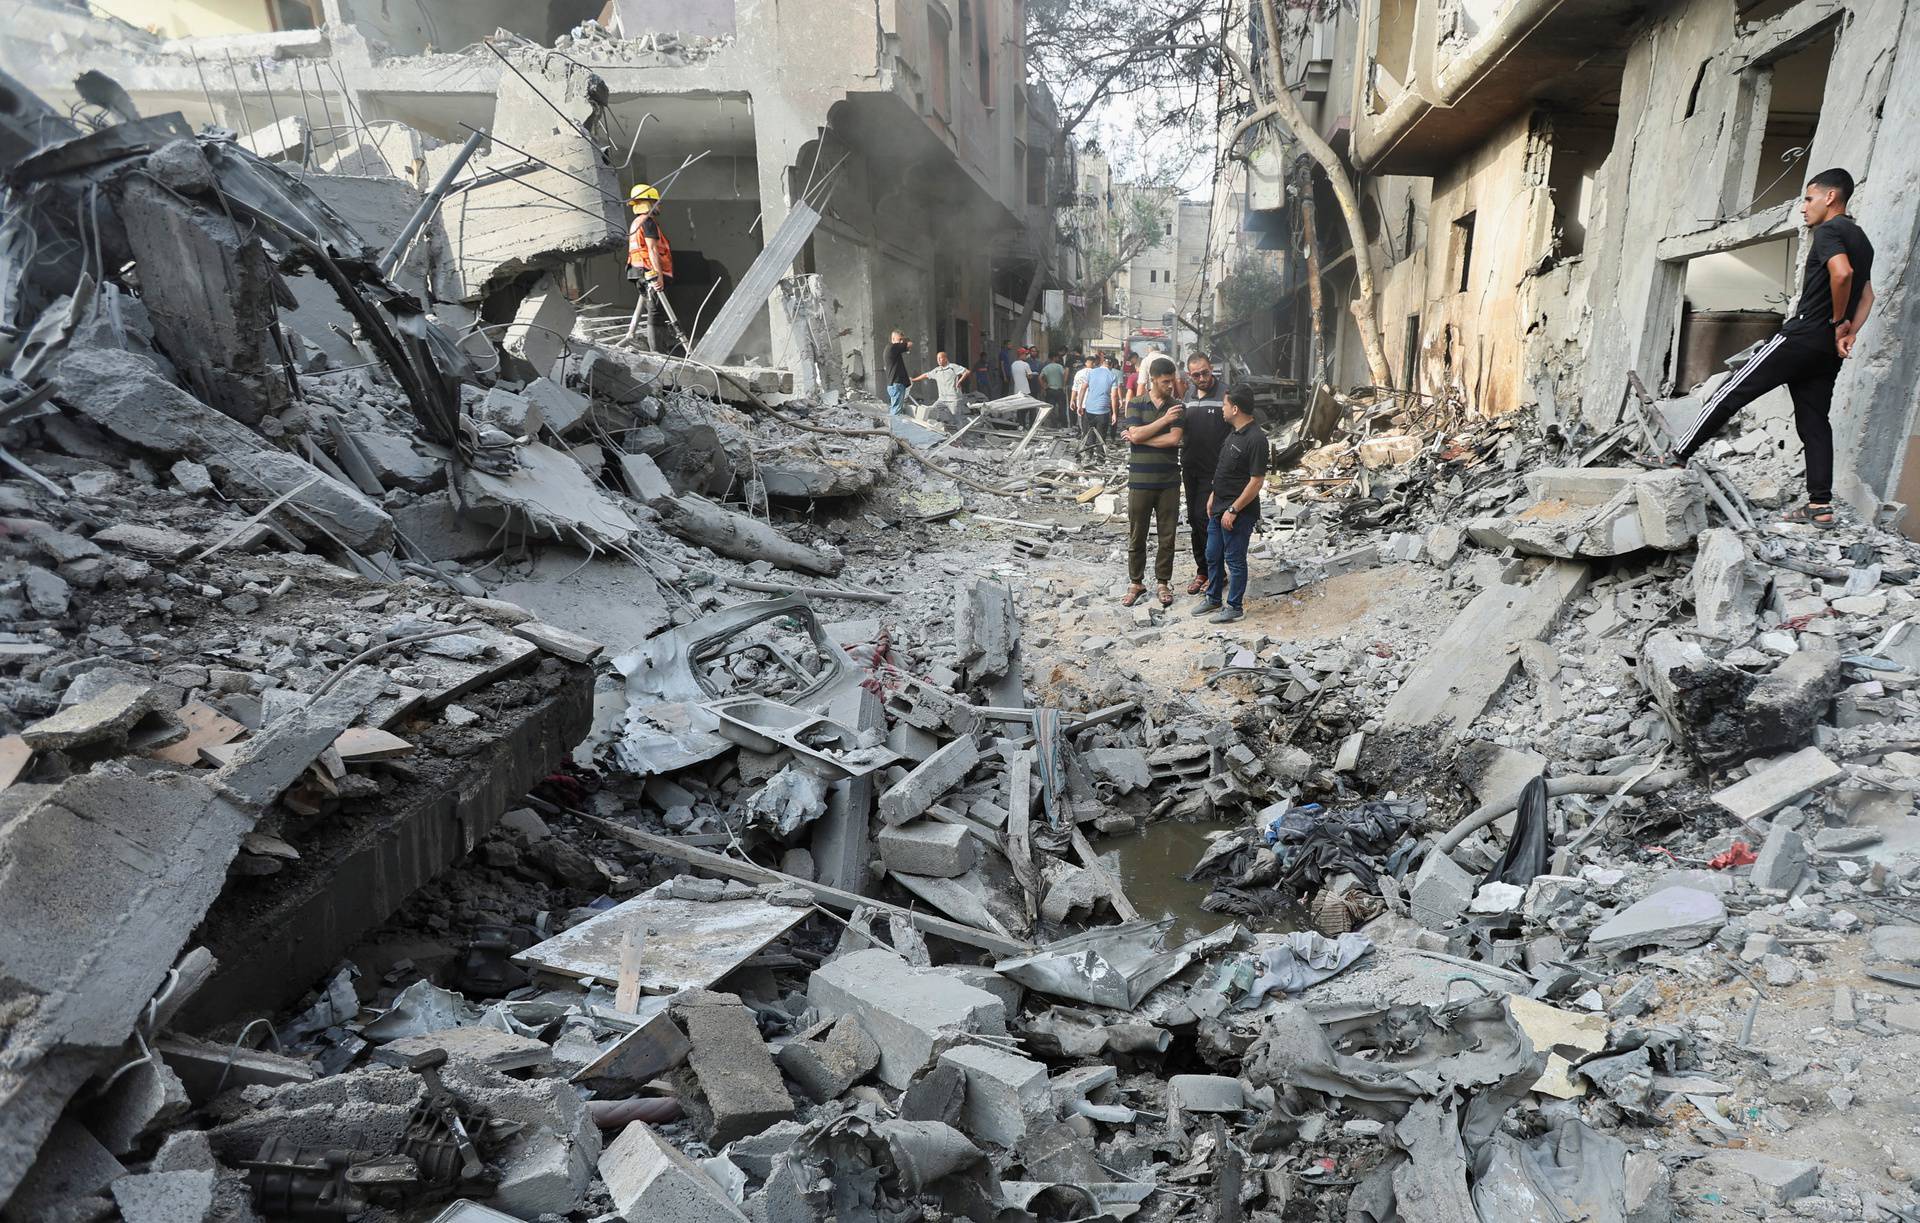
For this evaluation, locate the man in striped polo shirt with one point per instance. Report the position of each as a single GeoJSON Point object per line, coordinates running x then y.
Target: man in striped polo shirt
{"type": "Point", "coordinates": [1155, 429]}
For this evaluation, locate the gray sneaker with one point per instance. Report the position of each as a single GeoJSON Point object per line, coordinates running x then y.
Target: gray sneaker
{"type": "Point", "coordinates": [1227, 615]}
{"type": "Point", "coordinates": [1206, 607]}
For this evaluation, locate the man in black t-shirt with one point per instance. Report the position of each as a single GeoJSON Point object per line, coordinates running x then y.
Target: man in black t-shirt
{"type": "Point", "coordinates": [1233, 509]}
{"type": "Point", "coordinates": [1199, 450]}
{"type": "Point", "coordinates": [897, 378]}
{"type": "Point", "coordinates": [1835, 298]}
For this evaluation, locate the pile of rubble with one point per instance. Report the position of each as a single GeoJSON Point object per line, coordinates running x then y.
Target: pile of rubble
{"type": "Point", "coordinates": [515, 776]}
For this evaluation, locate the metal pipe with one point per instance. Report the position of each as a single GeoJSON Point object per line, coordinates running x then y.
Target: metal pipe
{"type": "Point", "coordinates": [391, 259]}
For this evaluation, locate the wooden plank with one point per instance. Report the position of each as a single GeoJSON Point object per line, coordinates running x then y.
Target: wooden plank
{"type": "Point", "coordinates": [834, 898]}
{"type": "Point", "coordinates": [1020, 829]}
{"type": "Point", "coordinates": [361, 744]}
{"type": "Point", "coordinates": [206, 727]}
{"type": "Point", "coordinates": [678, 944]}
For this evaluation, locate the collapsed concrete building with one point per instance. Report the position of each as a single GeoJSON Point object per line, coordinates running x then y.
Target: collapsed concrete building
{"type": "Point", "coordinates": [909, 136]}
{"type": "Point", "coordinates": [458, 767]}
{"type": "Point", "coordinates": [1555, 195]}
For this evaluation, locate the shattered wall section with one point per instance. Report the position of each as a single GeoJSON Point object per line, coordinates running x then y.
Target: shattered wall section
{"type": "Point", "coordinates": [1677, 147]}
{"type": "Point", "coordinates": [209, 291]}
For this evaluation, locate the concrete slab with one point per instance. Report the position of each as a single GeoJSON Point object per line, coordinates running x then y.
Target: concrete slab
{"type": "Point", "coordinates": [1778, 784]}
{"type": "Point", "coordinates": [1474, 658]}
{"type": "Point", "coordinates": [1673, 917]}
{"type": "Point", "coordinates": [648, 1178]}
{"type": "Point", "coordinates": [909, 1013]}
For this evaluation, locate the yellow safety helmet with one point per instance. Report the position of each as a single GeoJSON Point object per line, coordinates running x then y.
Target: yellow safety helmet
{"type": "Point", "coordinates": [642, 194]}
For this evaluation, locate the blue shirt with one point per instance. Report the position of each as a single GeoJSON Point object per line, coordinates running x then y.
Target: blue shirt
{"type": "Point", "coordinates": [1100, 384]}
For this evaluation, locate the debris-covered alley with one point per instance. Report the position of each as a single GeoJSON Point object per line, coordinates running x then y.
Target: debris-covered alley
{"type": "Point", "coordinates": [464, 764]}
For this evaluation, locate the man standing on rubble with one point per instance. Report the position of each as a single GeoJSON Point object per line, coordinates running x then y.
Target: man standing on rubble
{"type": "Point", "coordinates": [1093, 391]}
{"type": "Point", "coordinates": [1233, 508]}
{"type": "Point", "coordinates": [1053, 377]}
{"type": "Point", "coordinates": [1154, 432]}
{"type": "Point", "coordinates": [1836, 295]}
{"type": "Point", "coordinates": [947, 380]}
{"type": "Point", "coordinates": [897, 379]}
{"type": "Point", "coordinates": [1206, 430]}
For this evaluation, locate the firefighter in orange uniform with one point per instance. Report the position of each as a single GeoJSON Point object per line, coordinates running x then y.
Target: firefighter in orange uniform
{"type": "Point", "coordinates": [649, 256]}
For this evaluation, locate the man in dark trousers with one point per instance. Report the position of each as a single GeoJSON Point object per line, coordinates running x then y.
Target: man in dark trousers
{"type": "Point", "coordinates": [897, 377]}
{"type": "Point", "coordinates": [1153, 436]}
{"type": "Point", "coordinates": [1198, 452]}
{"type": "Point", "coordinates": [1804, 356]}
{"type": "Point", "coordinates": [1233, 509]}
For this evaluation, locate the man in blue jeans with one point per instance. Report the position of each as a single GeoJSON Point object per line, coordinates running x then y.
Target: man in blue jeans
{"type": "Point", "coordinates": [1233, 509]}
{"type": "Point", "coordinates": [897, 378]}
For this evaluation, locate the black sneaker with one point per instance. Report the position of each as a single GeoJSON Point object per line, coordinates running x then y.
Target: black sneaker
{"type": "Point", "coordinates": [1227, 615]}
{"type": "Point", "coordinates": [1206, 607]}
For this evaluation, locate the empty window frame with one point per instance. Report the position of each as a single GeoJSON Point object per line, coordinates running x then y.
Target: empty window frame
{"type": "Point", "coordinates": [1460, 254]}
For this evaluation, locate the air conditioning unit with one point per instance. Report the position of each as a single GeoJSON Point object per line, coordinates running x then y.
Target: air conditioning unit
{"type": "Point", "coordinates": [1319, 76]}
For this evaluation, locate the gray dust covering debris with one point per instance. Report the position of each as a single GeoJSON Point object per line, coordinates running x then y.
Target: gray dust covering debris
{"type": "Point", "coordinates": [482, 738]}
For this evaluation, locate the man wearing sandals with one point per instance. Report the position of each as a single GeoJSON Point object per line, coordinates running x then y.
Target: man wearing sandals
{"type": "Point", "coordinates": [1154, 432]}
{"type": "Point", "coordinates": [1804, 356]}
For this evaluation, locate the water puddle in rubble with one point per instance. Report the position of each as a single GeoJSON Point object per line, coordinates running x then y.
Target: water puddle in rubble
{"type": "Point", "coordinates": [1152, 867]}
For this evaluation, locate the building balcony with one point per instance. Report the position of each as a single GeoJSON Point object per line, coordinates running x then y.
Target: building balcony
{"type": "Point", "coordinates": [1475, 67]}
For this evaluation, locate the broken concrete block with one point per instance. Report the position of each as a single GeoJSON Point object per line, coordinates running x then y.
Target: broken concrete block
{"type": "Point", "coordinates": [1898, 943]}
{"type": "Point", "coordinates": [1776, 785]}
{"type": "Point", "coordinates": [47, 592]}
{"type": "Point", "coordinates": [158, 542]}
{"type": "Point", "coordinates": [730, 1061]}
{"type": "Point", "coordinates": [1441, 891]}
{"type": "Point", "coordinates": [825, 1068]}
{"type": "Point", "coordinates": [648, 1178]}
{"type": "Point", "coordinates": [396, 464]}
{"type": "Point", "coordinates": [910, 1013]}
{"type": "Point", "coordinates": [561, 408]}
{"type": "Point", "coordinates": [540, 327]}
{"type": "Point", "coordinates": [164, 1197]}
{"type": "Point", "coordinates": [643, 477]}
{"type": "Point", "coordinates": [1727, 586]}
{"type": "Point", "coordinates": [508, 412]}
{"type": "Point", "coordinates": [1672, 506]}
{"type": "Point", "coordinates": [910, 797]}
{"type": "Point", "coordinates": [209, 287]}
{"type": "Point", "coordinates": [1724, 715]}
{"type": "Point", "coordinates": [1125, 767]}
{"type": "Point", "coordinates": [1206, 1093]}
{"type": "Point", "coordinates": [106, 718]}
{"type": "Point", "coordinates": [71, 1163]}
{"type": "Point", "coordinates": [1005, 1092]}
{"type": "Point", "coordinates": [439, 532]}
{"type": "Point", "coordinates": [1348, 758]}
{"type": "Point", "coordinates": [1780, 1181]}
{"type": "Point", "coordinates": [1671, 917]}
{"type": "Point", "coordinates": [927, 847]}
{"type": "Point", "coordinates": [985, 632]}
{"type": "Point", "coordinates": [1782, 859]}
{"type": "Point", "coordinates": [1444, 544]}
{"type": "Point", "coordinates": [1590, 486]}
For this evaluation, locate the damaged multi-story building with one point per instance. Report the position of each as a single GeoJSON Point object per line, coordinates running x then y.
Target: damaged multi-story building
{"type": "Point", "coordinates": [1554, 196]}
{"type": "Point", "coordinates": [910, 130]}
